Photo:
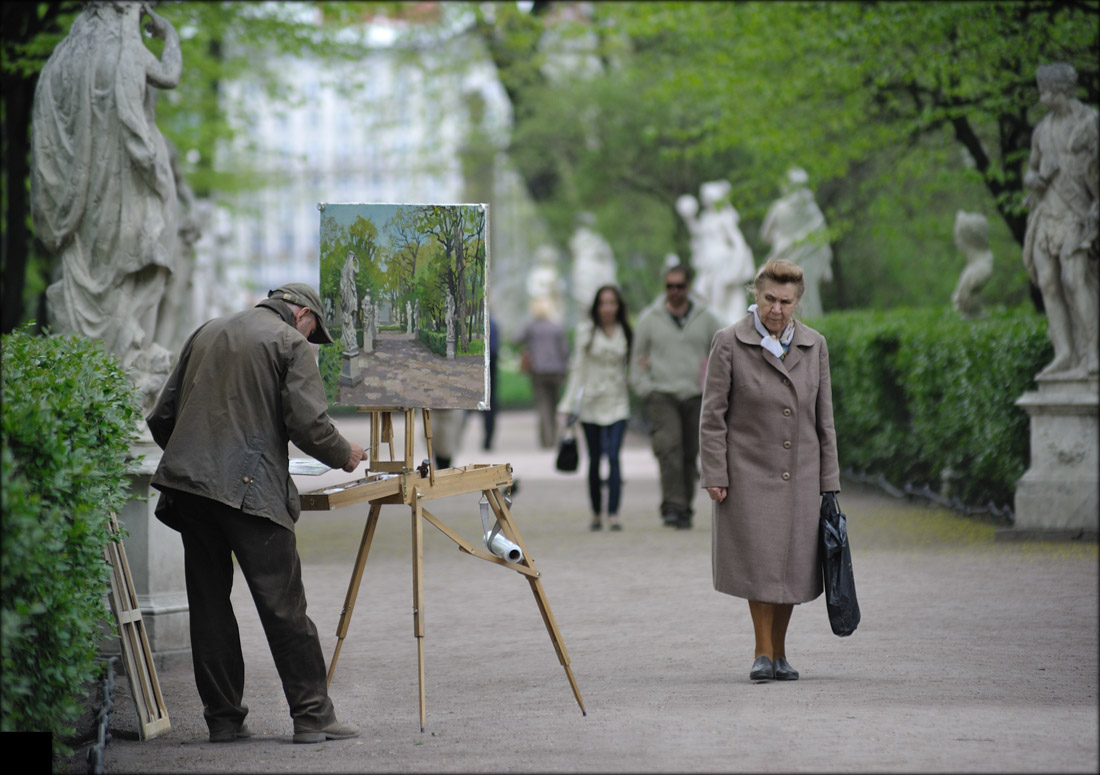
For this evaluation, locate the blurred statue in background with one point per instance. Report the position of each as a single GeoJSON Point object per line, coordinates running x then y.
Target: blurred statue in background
{"type": "Point", "coordinates": [593, 262]}
{"type": "Point", "coordinates": [544, 282]}
{"type": "Point", "coordinates": [795, 229]}
{"type": "Point", "coordinates": [349, 304]}
{"type": "Point", "coordinates": [1060, 245]}
{"type": "Point", "coordinates": [103, 195]}
{"type": "Point", "coordinates": [721, 258]}
{"type": "Point", "coordinates": [972, 240]}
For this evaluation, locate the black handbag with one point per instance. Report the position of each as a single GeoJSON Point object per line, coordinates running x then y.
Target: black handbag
{"type": "Point", "coordinates": [836, 568]}
{"type": "Point", "coordinates": [567, 452]}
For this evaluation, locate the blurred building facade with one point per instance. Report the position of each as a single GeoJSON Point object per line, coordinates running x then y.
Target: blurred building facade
{"type": "Point", "coordinates": [386, 130]}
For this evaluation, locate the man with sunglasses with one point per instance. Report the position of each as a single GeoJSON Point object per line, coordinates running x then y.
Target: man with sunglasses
{"type": "Point", "coordinates": [671, 343]}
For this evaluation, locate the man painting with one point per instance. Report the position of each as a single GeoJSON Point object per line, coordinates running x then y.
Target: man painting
{"type": "Point", "coordinates": [246, 385]}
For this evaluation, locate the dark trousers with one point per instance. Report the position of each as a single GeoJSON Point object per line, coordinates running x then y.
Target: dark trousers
{"type": "Point", "coordinates": [268, 555]}
{"type": "Point", "coordinates": [674, 436]}
{"type": "Point", "coordinates": [604, 440]}
{"type": "Point", "coordinates": [546, 388]}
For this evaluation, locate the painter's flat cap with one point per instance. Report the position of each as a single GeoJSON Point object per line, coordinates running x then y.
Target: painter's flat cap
{"type": "Point", "coordinates": [304, 296]}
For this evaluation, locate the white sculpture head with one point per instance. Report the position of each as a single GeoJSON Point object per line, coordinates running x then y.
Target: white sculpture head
{"type": "Point", "coordinates": [1059, 77]}
{"type": "Point", "coordinates": [687, 206]}
{"type": "Point", "coordinates": [796, 179]}
{"type": "Point", "coordinates": [714, 191]}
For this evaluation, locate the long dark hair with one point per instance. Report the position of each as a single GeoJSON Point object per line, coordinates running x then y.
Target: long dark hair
{"type": "Point", "coordinates": [620, 317]}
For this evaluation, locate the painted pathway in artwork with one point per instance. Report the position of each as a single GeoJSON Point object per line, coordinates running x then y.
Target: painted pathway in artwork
{"type": "Point", "coordinates": [403, 372]}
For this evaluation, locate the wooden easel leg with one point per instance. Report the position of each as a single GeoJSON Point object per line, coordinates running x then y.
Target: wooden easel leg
{"type": "Point", "coordinates": [353, 587]}
{"type": "Point", "coordinates": [418, 599]}
{"type": "Point", "coordinates": [500, 508]}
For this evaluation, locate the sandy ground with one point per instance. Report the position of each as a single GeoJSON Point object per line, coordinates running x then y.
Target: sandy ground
{"type": "Point", "coordinates": [973, 655]}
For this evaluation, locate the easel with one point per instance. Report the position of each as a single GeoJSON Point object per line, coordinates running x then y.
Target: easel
{"type": "Point", "coordinates": [398, 482]}
{"type": "Point", "coordinates": [137, 658]}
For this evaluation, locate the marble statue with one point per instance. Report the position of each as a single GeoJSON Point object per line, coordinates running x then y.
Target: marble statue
{"type": "Point", "coordinates": [544, 281]}
{"type": "Point", "coordinates": [720, 256]}
{"type": "Point", "coordinates": [1060, 244]}
{"type": "Point", "coordinates": [972, 240]}
{"type": "Point", "coordinates": [348, 303]}
{"type": "Point", "coordinates": [593, 261]}
{"type": "Point", "coordinates": [795, 228]}
{"type": "Point", "coordinates": [175, 321]}
{"type": "Point", "coordinates": [103, 196]}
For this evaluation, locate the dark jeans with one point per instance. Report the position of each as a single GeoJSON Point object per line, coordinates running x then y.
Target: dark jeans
{"type": "Point", "coordinates": [267, 553]}
{"type": "Point", "coordinates": [674, 435]}
{"type": "Point", "coordinates": [604, 440]}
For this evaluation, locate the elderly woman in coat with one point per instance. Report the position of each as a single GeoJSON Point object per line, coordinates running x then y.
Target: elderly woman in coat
{"type": "Point", "coordinates": [768, 454]}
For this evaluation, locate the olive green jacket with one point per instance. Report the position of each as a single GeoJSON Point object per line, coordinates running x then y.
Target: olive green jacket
{"type": "Point", "coordinates": [245, 385]}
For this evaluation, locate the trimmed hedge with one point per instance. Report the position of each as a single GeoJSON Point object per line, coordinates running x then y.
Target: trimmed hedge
{"type": "Point", "coordinates": [69, 414]}
{"type": "Point", "coordinates": [920, 396]}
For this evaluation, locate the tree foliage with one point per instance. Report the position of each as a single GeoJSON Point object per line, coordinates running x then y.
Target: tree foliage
{"type": "Point", "coordinates": [621, 107]}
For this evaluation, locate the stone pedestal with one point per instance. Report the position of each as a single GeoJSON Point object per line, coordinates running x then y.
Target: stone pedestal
{"type": "Point", "coordinates": [1058, 495]}
{"type": "Point", "coordinates": [350, 376]}
{"type": "Point", "coordinates": [154, 553]}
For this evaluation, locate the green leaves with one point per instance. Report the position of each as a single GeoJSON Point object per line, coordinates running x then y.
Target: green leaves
{"type": "Point", "coordinates": [917, 393]}
{"type": "Point", "coordinates": [68, 417]}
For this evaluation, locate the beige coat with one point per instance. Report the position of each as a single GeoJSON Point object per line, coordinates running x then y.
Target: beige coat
{"type": "Point", "coordinates": [766, 433]}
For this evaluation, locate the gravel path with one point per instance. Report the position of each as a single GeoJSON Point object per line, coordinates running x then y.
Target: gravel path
{"type": "Point", "coordinates": [973, 655]}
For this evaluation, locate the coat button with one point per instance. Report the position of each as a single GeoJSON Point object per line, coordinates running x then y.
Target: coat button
{"type": "Point", "coordinates": [786, 412]}
{"type": "Point", "coordinates": [786, 476]}
{"type": "Point", "coordinates": [245, 479]}
{"type": "Point", "coordinates": [786, 381]}
{"type": "Point", "coordinates": [786, 445]}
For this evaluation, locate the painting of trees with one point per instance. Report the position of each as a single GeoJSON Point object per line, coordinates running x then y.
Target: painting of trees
{"type": "Point", "coordinates": [425, 267]}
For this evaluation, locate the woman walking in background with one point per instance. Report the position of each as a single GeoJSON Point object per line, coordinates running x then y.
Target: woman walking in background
{"type": "Point", "coordinates": [596, 394]}
{"type": "Point", "coordinates": [768, 451]}
{"type": "Point", "coordinates": [545, 360]}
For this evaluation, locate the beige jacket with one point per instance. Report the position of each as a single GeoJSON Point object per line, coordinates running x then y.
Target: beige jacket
{"type": "Point", "coordinates": [596, 389]}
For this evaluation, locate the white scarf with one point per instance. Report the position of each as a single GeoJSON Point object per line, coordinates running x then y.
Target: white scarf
{"type": "Point", "coordinates": [771, 342]}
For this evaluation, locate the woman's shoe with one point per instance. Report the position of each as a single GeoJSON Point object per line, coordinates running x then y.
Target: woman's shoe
{"type": "Point", "coordinates": [596, 524]}
{"type": "Point", "coordinates": [762, 670]}
{"type": "Point", "coordinates": [784, 671]}
{"type": "Point", "coordinates": [613, 523]}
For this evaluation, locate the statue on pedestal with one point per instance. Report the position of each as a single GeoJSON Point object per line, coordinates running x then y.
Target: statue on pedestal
{"type": "Point", "coordinates": [795, 229]}
{"type": "Point", "coordinates": [103, 195]}
{"type": "Point", "coordinates": [720, 256]}
{"type": "Point", "coordinates": [543, 281]}
{"type": "Point", "coordinates": [348, 304]}
{"type": "Point", "coordinates": [593, 261]}
{"type": "Point", "coordinates": [972, 240]}
{"type": "Point", "coordinates": [1060, 245]}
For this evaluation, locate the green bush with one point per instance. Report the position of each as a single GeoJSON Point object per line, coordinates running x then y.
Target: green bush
{"type": "Point", "coordinates": [69, 414]}
{"type": "Point", "coordinates": [922, 394]}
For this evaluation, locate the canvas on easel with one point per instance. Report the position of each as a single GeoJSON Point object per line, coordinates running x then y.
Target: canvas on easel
{"type": "Point", "coordinates": [404, 289]}
{"type": "Point", "coordinates": [418, 277]}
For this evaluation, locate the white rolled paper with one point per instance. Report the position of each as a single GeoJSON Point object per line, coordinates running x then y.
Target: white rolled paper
{"type": "Point", "coordinates": [502, 547]}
